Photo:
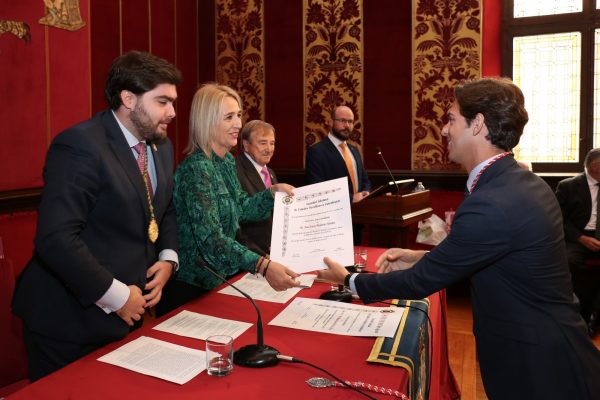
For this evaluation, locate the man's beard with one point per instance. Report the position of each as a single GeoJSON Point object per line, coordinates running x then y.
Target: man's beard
{"type": "Point", "coordinates": [340, 134]}
{"type": "Point", "coordinates": [143, 124]}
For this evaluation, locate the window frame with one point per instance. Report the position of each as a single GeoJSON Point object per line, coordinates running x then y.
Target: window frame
{"type": "Point", "coordinates": [586, 22]}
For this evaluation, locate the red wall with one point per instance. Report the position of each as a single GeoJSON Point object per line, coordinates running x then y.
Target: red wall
{"type": "Point", "coordinates": [491, 54]}
{"type": "Point", "coordinates": [167, 28]}
{"type": "Point", "coordinates": [44, 85]}
{"type": "Point", "coordinates": [57, 80]}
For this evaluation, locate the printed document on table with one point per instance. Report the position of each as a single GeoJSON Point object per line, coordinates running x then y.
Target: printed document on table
{"type": "Point", "coordinates": [339, 318]}
{"type": "Point", "coordinates": [157, 358]}
{"type": "Point", "coordinates": [258, 288]}
{"type": "Point", "coordinates": [314, 223]}
{"type": "Point", "coordinates": [200, 326]}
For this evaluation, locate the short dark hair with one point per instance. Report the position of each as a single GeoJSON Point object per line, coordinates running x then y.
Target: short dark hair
{"type": "Point", "coordinates": [139, 72]}
{"type": "Point", "coordinates": [502, 105]}
{"type": "Point", "coordinates": [592, 156]}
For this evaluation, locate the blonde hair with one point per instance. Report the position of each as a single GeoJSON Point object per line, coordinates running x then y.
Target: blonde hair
{"type": "Point", "coordinates": [205, 113]}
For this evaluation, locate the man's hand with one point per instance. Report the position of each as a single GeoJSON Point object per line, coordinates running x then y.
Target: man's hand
{"type": "Point", "coordinates": [398, 259]}
{"type": "Point", "coordinates": [280, 277]}
{"type": "Point", "coordinates": [589, 242]}
{"type": "Point", "coordinates": [133, 309]}
{"type": "Point", "coordinates": [358, 196]}
{"type": "Point", "coordinates": [335, 274]}
{"type": "Point", "coordinates": [159, 274]}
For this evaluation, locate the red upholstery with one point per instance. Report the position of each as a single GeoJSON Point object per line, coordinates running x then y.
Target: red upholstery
{"type": "Point", "coordinates": [13, 363]}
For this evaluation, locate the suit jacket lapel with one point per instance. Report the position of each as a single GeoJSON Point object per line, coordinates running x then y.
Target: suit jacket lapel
{"type": "Point", "coordinates": [495, 169]}
{"type": "Point", "coordinates": [359, 170]}
{"type": "Point", "coordinates": [160, 176]}
{"type": "Point", "coordinates": [123, 153]}
{"type": "Point", "coordinates": [584, 190]}
{"type": "Point", "coordinates": [252, 174]}
{"type": "Point", "coordinates": [335, 155]}
{"type": "Point", "coordinates": [273, 177]}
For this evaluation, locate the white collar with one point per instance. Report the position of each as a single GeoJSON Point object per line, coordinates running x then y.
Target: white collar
{"type": "Point", "coordinates": [476, 170]}
{"type": "Point", "coordinates": [131, 139]}
{"type": "Point", "coordinates": [335, 140]}
{"type": "Point", "coordinates": [256, 165]}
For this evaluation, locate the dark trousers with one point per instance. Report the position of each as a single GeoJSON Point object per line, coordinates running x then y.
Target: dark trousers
{"type": "Point", "coordinates": [175, 294]}
{"type": "Point", "coordinates": [46, 355]}
{"type": "Point", "coordinates": [586, 281]}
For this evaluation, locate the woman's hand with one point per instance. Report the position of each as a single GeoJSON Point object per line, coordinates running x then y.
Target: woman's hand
{"type": "Point", "coordinates": [283, 187]}
{"type": "Point", "coordinates": [280, 277]}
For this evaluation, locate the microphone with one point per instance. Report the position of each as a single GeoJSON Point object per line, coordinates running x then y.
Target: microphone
{"type": "Point", "coordinates": [257, 355]}
{"type": "Point", "coordinates": [378, 150]}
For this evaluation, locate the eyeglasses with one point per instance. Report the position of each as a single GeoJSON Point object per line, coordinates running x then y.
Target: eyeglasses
{"type": "Point", "coordinates": [344, 121]}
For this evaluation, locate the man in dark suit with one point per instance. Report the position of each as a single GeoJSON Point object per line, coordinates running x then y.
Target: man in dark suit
{"type": "Point", "coordinates": [507, 239]}
{"type": "Point", "coordinates": [106, 240]}
{"type": "Point", "coordinates": [258, 144]}
{"type": "Point", "coordinates": [578, 199]}
{"type": "Point", "coordinates": [333, 157]}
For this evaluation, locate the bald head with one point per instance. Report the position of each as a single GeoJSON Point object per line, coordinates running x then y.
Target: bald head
{"type": "Point", "coordinates": [342, 122]}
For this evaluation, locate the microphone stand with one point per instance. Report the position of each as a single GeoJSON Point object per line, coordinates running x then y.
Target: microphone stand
{"type": "Point", "coordinates": [378, 149]}
{"type": "Point", "coordinates": [257, 355]}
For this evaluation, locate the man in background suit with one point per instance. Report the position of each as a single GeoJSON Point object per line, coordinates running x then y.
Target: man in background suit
{"type": "Point", "coordinates": [507, 239]}
{"type": "Point", "coordinates": [333, 157]}
{"type": "Point", "coordinates": [258, 144]}
{"type": "Point", "coordinates": [578, 199]}
{"type": "Point", "coordinates": [106, 240]}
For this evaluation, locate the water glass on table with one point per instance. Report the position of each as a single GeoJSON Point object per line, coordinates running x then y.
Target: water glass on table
{"type": "Point", "coordinates": [219, 355]}
{"type": "Point", "coordinates": [360, 259]}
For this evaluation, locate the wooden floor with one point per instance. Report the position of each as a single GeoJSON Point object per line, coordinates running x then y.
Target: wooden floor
{"type": "Point", "coordinates": [461, 348]}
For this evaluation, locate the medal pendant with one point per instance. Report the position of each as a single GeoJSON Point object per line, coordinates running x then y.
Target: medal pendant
{"type": "Point", "coordinates": [153, 230]}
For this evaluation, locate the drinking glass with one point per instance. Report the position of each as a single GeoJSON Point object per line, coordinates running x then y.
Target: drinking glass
{"type": "Point", "coordinates": [219, 355]}
{"type": "Point", "coordinates": [360, 259]}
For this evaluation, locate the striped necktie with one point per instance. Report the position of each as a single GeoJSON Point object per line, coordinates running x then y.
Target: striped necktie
{"type": "Point", "coordinates": [142, 162]}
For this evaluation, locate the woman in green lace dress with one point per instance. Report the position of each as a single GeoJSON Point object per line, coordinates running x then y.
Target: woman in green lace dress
{"type": "Point", "coordinates": [211, 204]}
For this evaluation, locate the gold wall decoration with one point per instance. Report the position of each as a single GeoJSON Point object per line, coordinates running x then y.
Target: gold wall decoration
{"type": "Point", "coordinates": [333, 65]}
{"type": "Point", "coordinates": [446, 50]}
{"type": "Point", "coordinates": [240, 52]}
{"type": "Point", "coordinates": [62, 14]}
{"type": "Point", "coordinates": [18, 28]}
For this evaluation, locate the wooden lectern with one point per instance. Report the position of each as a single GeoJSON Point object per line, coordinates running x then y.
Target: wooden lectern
{"type": "Point", "coordinates": [389, 217]}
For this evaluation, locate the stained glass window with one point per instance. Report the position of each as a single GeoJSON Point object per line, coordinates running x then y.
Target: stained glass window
{"type": "Point", "coordinates": [551, 49]}
{"type": "Point", "coordinates": [547, 69]}
{"type": "Point", "coordinates": [531, 8]}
